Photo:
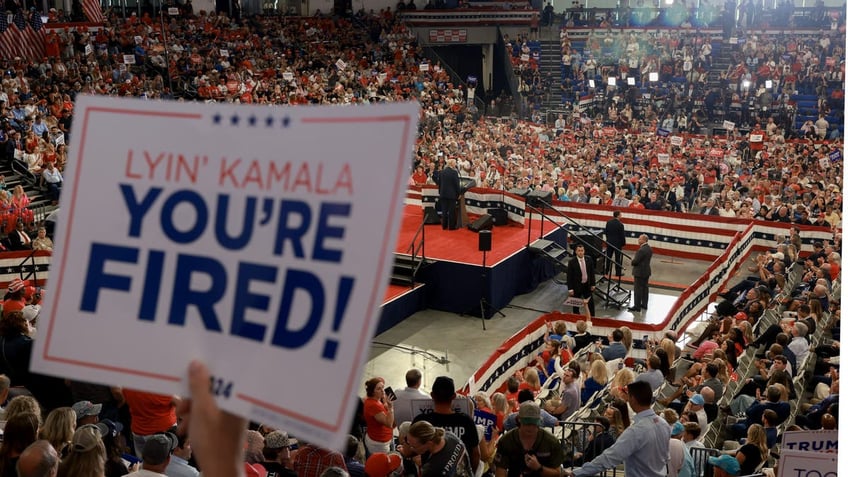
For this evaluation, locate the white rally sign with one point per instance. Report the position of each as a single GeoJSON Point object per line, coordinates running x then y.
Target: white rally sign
{"type": "Point", "coordinates": [256, 239]}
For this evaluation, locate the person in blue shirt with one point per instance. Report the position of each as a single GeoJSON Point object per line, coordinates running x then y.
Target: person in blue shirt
{"type": "Point", "coordinates": [642, 447]}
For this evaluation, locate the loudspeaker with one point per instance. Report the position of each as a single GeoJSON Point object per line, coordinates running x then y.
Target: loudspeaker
{"type": "Point", "coordinates": [484, 241]}
{"type": "Point", "coordinates": [499, 216]}
{"type": "Point", "coordinates": [536, 197]}
{"type": "Point", "coordinates": [485, 222]}
{"type": "Point", "coordinates": [431, 216]}
{"type": "Point", "coordinates": [522, 191]}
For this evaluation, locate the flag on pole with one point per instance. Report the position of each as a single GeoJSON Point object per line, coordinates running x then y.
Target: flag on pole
{"type": "Point", "coordinates": [22, 38]}
{"type": "Point", "coordinates": [92, 10]}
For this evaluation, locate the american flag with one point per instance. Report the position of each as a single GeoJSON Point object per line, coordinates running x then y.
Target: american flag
{"type": "Point", "coordinates": [21, 38]}
{"type": "Point", "coordinates": [92, 10]}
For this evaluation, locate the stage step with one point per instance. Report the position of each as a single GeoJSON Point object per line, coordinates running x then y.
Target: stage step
{"type": "Point", "coordinates": [405, 269]}
{"type": "Point", "coordinates": [552, 251]}
{"type": "Point", "coordinates": [612, 293]}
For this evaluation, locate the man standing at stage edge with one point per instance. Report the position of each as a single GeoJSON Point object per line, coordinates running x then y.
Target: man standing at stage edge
{"type": "Point", "coordinates": [581, 278]}
{"type": "Point", "coordinates": [448, 180]}
{"type": "Point", "coordinates": [614, 233]}
{"type": "Point", "coordinates": [643, 447]}
{"type": "Point", "coordinates": [641, 273]}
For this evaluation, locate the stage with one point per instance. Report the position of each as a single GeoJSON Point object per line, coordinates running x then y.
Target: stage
{"type": "Point", "coordinates": [454, 279]}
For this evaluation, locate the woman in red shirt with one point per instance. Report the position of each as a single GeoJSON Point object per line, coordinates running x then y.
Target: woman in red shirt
{"type": "Point", "coordinates": [379, 417]}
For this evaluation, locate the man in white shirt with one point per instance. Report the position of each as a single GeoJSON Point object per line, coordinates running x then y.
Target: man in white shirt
{"type": "Point", "coordinates": [179, 466]}
{"type": "Point", "coordinates": [402, 406]}
{"type": "Point", "coordinates": [53, 180]}
{"type": "Point", "coordinates": [642, 447]}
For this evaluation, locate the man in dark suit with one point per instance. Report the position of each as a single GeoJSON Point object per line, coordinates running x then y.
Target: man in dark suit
{"type": "Point", "coordinates": [581, 278]}
{"type": "Point", "coordinates": [614, 233]}
{"type": "Point", "coordinates": [448, 180]}
{"type": "Point", "coordinates": [641, 273]}
{"type": "Point", "coordinates": [19, 239]}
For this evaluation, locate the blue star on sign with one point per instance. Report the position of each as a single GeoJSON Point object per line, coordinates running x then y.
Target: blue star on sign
{"type": "Point", "coordinates": [234, 120]}
{"type": "Point", "coordinates": [216, 119]}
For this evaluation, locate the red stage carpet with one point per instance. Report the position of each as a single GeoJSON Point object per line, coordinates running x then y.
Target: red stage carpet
{"type": "Point", "coordinates": [461, 245]}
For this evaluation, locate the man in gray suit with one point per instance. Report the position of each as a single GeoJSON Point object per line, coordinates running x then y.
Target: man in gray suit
{"type": "Point", "coordinates": [641, 264]}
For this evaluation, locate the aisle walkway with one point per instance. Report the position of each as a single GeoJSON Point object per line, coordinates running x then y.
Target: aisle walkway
{"type": "Point", "coordinates": [440, 343]}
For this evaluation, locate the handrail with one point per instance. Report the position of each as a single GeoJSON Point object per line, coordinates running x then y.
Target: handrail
{"type": "Point", "coordinates": [509, 71]}
{"type": "Point", "coordinates": [431, 54]}
{"type": "Point", "coordinates": [30, 257]}
{"type": "Point", "coordinates": [611, 284]}
{"type": "Point", "coordinates": [414, 248]}
{"type": "Point", "coordinates": [580, 226]}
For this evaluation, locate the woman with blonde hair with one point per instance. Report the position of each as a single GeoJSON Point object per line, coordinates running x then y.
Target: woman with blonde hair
{"type": "Point", "coordinates": [815, 308]}
{"type": "Point", "coordinates": [747, 331]}
{"type": "Point", "coordinates": [59, 428]}
{"type": "Point", "coordinates": [500, 406]}
{"type": "Point", "coordinates": [87, 457]}
{"type": "Point", "coordinates": [582, 338]}
{"type": "Point", "coordinates": [22, 405]}
{"type": "Point", "coordinates": [620, 380]}
{"type": "Point", "coordinates": [482, 402]}
{"type": "Point", "coordinates": [19, 202]}
{"type": "Point", "coordinates": [596, 380]}
{"type": "Point", "coordinates": [752, 454]}
{"type": "Point", "coordinates": [670, 349]}
{"type": "Point", "coordinates": [531, 380]}
{"type": "Point", "coordinates": [618, 414]}
{"type": "Point", "coordinates": [627, 338]}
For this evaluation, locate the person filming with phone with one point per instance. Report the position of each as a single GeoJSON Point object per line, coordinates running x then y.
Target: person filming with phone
{"type": "Point", "coordinates": [379, 416]}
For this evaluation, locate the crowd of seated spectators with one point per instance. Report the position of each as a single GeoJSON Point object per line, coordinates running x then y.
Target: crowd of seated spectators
{"type": "Point", "coordinates": [373, 58]}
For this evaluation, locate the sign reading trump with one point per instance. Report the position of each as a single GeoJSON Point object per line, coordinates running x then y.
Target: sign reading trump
{"type": "Point", "coordinates": [256, 239]}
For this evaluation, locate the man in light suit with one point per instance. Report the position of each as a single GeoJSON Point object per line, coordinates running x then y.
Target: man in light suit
{"type": "Point", "coordinates": [581, 278]}
{"type": "Point", "coordinates": [641, 273]}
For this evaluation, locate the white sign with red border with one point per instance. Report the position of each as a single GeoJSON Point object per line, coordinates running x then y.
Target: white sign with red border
{"type": "Point", "coordinates": [256, 239]}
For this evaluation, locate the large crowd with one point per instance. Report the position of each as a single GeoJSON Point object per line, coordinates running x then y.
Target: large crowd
{"type": "Point", "coordinates": [765, 174]}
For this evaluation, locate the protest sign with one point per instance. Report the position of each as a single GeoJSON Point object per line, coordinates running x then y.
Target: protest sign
{"type": "Point", "coordinates": [807, 464]}
{"type": "Point", "coordinates": [810, 441]}
{"type": "Point", "coordinates": [487, 420]}
{"type": "Point", "coordinates": [424, 67]}
{"type": "Point", "coordinates": [129, 59]}
{"type": "Point", "coordinates": [729, 125]}
{"type": "Point", "coordinates": [676, 140]}
{"type": "Point", "coordinates": [172, 11]}
{"type": "Point", "coordinates": [256, 239]}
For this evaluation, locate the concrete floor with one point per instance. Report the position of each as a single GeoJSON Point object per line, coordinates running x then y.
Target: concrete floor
{"type": "Point", "coordinates": [445, 344]}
